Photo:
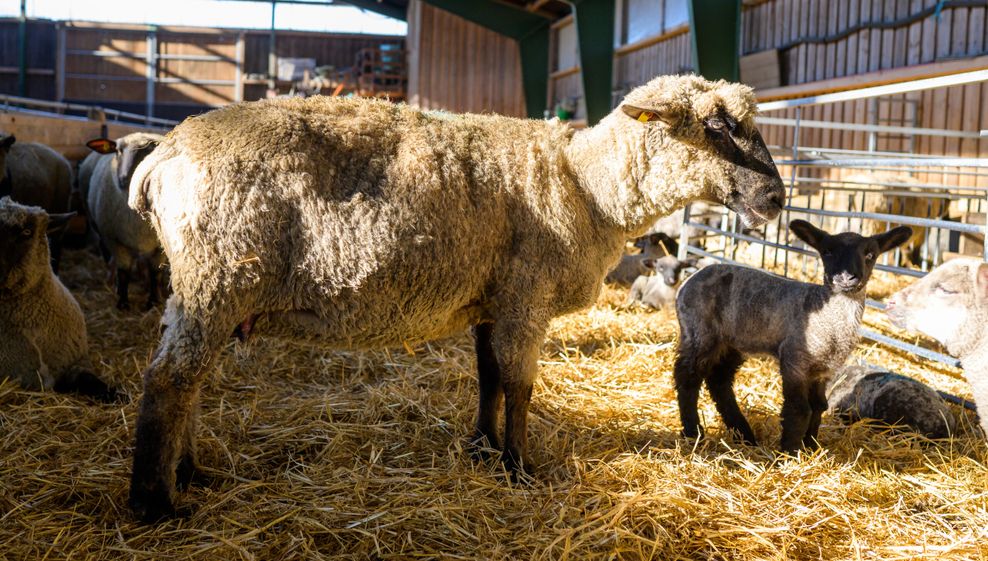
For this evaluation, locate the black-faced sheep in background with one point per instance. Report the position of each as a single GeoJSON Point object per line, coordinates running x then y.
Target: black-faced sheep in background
{"type": "Point", "coordinates": [43, 343]}
{"type": "Point", "coordinates": [363, 224]}
{"type": "Point", "coordinates": [34, 174]}
{"type": "Point", "coordinates": [126, 236]}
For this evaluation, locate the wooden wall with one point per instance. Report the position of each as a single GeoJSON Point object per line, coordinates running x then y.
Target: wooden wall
{"type": "Point", "coordinates": [458, 66]}
{"type": "Point", "coordinates": [195, 68]}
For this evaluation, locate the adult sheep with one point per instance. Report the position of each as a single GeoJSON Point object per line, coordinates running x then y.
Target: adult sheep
{"type": "Point", "coordinates": [364, 224]}
{"type": "Point", "coordinates": [33, 174]}
{"type": "Point", "coordinates": [124, 234]}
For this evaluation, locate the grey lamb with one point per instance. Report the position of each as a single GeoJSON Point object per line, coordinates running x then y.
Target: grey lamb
{"type": "Point", "coordinates": [659, 290]}
{"type": "Point", "coordinates": [728, 311]}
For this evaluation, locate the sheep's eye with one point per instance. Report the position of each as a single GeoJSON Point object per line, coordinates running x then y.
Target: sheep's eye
{"type": "Point", "coordinates": [941, 289]}
{"type": "Point", "coordinates": [869, 256]}
{"type": "Point", "coordinates": [717, 125]}
{"type": "Point", "coordinates": [26, 233]}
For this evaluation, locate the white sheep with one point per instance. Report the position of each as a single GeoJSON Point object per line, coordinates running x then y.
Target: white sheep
{"type": "Point", "coordinates": [44, 343]}
{"type": "Point", "coordinates": [659, 290]}
{"type": "Point", "coordinates": [364, 224]}
{"type": "Point", "coordinates": [34, 174]}
{"type": "Point", "coordinates": [727, 312]}
{"type": "Point", "coordinates": [631, 266]}
{"type": "Point", "coordinates": [126, 235]}
{"type": "Point", "coordinates": [950, 304]}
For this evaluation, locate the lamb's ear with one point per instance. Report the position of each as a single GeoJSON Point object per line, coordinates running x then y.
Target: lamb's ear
{"type": "Point", "coordinates": [981, 282]}
{"type": "Point", "coordinates": [662, 115]}
{"type": "Point", "coordinates": [688, 262]}
{"type": "Point", "coordinates": [58, 222]}
{"type": "Point", "coordinates": [809, 233]}
{"type": "Point", "coordinates": [893, 238]}
{"type": "Point", "coordinates": [648, 263]}
{"type": "Point", "coordinates": [102, 145]}
{"type": "Point", "coordinates": [6, 142]}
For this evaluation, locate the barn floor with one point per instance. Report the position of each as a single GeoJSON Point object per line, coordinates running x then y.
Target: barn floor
{"type": "Point", "coordinates": [318, 454]}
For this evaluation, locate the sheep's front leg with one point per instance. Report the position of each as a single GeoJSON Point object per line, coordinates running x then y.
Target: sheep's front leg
{"type": "Point", "coordinates": [516, 347]}
{"type": "Point", "coordinates": [818, 404]}
{"type": "Point", "coordinates": [171, 389]}
{"type": "Point", "coordinates": [796, 409]}
{"type": "Point", "coordinates": [124, 264]}
{"type": "Point", "coordinates": [689, 373]}
{"type": "Point", "coordinates": [491, 391]}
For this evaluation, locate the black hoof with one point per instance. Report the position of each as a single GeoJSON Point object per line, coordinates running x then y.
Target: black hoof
{"type": "Point", "coordinates": [694, 433]}
{"type": "Point", "coordinates": [123, 305]}
{"type": "Point", "coordinates": [520, 470]}
{"type": "Point", "coordinates": [88, 384]}
{"type": "Point", "coordinates": [189, 473]}
{"type": "Point", "coordinates": [484, 448]}
{"type": "Point", "coordinates": [151, 505]}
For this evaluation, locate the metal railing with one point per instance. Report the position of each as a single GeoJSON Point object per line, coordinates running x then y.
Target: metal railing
{"type": "Point", "coordinates": [846, 189]}
{"type": "Point", "coordinates": [79, 111]}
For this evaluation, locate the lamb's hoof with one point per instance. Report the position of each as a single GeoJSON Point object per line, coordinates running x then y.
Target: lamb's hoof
{"type": "Point", "coordinates": [484, 448]}
{"type": "Point", "coordinates": [123, 305]}
{"type": "Point", "coordinates": [695, 433]}
{"type": "Point", "coordinates": [88, 384]}
{"type": "Point", "coordinates": [151, 505]}
{"type": "Point", "coordinates": [520, 471]}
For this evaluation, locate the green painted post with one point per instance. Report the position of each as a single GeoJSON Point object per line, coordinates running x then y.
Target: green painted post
{"type": "Point", "coordinates": [716, 30]}
{"type": "Point", "coordinates": [595, 35]}
{"type": "Point", "coordinates": [534, 49]}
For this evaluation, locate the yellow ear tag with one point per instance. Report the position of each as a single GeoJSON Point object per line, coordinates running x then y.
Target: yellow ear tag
{"type": "Point", "coordinates": [646, 116]}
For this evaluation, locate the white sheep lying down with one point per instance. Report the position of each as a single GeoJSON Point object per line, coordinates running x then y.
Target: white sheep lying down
{"type": "Point", "coordinates": [365, 224]}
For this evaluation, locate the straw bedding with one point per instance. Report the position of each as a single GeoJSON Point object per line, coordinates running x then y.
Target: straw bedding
{"type": "Point", "coordinates": [320, 454]}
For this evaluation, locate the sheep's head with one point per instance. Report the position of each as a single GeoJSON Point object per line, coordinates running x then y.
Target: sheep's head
{"type": "Point", "coordinates": [849, 258]}
{"type": "Point", "coordinates": [669, 268]}
{"type": "Point", "coordinates": [706, 130]}
{"type": "Point", "coordinates": [24, 257]}
{"type": "Point", "coordinates": [128, 152]}
{"type": "Point", "coordinates": [950, 304]}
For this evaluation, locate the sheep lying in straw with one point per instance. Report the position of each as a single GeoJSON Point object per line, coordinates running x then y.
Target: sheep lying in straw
{"type": "Point", "coordinates": [44, 344]}
{"type": "Point", "coordinates": [950, 304]}
{"type": "Point", "coordinates": [34, 174]}
{"type": "Point", "coordinates": [363, 224]}
{"type": "Point", "coordinates": [728, 311]}
{"type": "Point", "coordinates": [659, 290]}
{"type": "Point", "coordinates": [632, 266]}
{"type": "Point", "coordinates": [125, 234]}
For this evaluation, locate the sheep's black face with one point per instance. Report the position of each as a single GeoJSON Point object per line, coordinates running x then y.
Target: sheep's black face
{"type": "Point", "coordinates": [756, 192]}
{"type": "Point", "coordinates": [5, 143]}
{"type": "Point", "coordinates": [129, 156]}
{"type": "Point", "coordinates": [848, 258]}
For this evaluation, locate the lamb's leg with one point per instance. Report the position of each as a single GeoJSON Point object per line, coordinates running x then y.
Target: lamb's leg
{"type": "Point", "coordinates": [689, 372]}
{"type": "Point", "coordinates": [188, 471]}
{"type": "Point", "coordinates": [516, 347]}
{"type": "Point", "coordinates": [154, 294]}
{"type": "Point", "coordinates": [491, 391]}
{"type": "Point", "coordinates": [720, 383]}
{"type": "Point", "coordinates": [171, 389]}
{"type": "Point", "coordinates": [818, 404]}
{"type": "Point", "coordinates": [795, 402]}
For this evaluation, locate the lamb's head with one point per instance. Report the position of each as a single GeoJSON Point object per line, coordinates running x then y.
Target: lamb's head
{"type": "Point", "coordinates": [950, 304]}
{"type": "Point", "coordinates": [24, 257]}
{"type": "Point", "coordinates": [669, 268]}
{"type": "Point", "coordinates": [129, 151]}
{"type": "Point", "coordinates": [848, 258]}
{"type": "Point", "coordinates": [657, 244]}
{"type": "Point", "coordinates": [702, 135]}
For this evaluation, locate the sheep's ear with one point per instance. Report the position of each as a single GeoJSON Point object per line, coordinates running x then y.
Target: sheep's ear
{"type": "Point", "coordinates": [649, 115]}
{"type": "Point", "coordinates": [58, 222]}
{"type": "Point", "coordinates": [689, 262]}
{"type": "Point", "coordinates": [981, 282]}
{"type": "Point", "coordinates": [6, 142]}
{"type": "Point", "coordinates": [102, 145]}
{"type": "Point", "coordinates": [893, 238]}
{"type": "Point", "coordinates": [809, 233]}
{"type": "Point", "coordinates": [648, 263]}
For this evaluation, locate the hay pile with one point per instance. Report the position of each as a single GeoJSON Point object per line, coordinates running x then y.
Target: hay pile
{"type": "Point", "coordinates": [361, 455]}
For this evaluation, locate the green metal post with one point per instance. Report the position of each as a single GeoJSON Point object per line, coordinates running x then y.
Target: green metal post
{"type": "Point", "coordinates": [716, 30]}
{"type": "Point", "coordinates": [595, 35]}
{"type": "Point", "coordinates": [380, 8]}
{"type": "Point", "coordinates": [22, 51]}
{"type": "Point", "coordinates": [534, 50]}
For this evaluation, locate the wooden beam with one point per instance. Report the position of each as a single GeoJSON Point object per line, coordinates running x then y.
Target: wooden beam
{"type": "Point", "coordinates": [649, 41]}
{"type": "Point", "coordinates": [877, 78]}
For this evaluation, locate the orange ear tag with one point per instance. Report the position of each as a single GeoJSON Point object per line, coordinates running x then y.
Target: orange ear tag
{"type": "Point", "coordinates": [646, 116]}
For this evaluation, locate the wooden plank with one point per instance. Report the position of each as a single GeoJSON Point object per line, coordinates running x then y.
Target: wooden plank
{"type": "Point", "coordinates": [761, 70]}
{"type": "Point", "coordinates": [958, 43]}
{"type": "Point", "coordinates": [853, 17]}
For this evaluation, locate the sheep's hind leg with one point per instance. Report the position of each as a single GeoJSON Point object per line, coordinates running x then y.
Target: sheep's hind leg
{"type": "Point", "coordinates": [491, 393]}
{"type": "Point", "coordinates": [689, 372]}
{"type": "Point", "coordinates": [516, 347]}
{"type": "Point", "coordinates": [720, 383]}
{"type": "Point", "coordinates": [171, 389]}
